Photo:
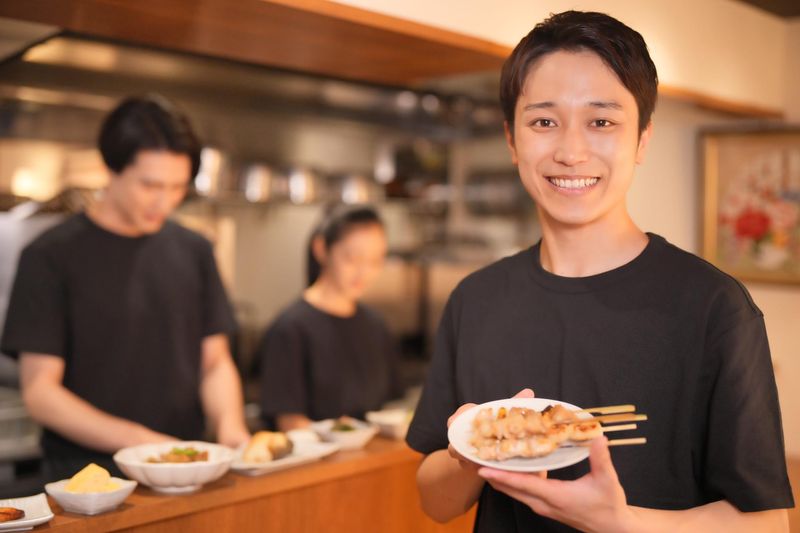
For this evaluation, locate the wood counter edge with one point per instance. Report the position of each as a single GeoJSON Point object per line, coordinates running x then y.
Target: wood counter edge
{"type": "Point", "coordinates": [146, 506]}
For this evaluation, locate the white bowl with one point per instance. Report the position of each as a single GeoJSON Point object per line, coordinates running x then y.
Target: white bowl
{"type": "Point", "coordinates": [347, 440]}
{"type": "Point", "coordinates": [174, 478]}
{"type": "Point", "coordinates": [392, 423]}
{"type": "Point", "coordinates": [93, 502]}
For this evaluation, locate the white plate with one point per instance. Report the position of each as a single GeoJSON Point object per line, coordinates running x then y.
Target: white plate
{"type": "Point", "coordinates": [302, 453]}
{"type": "Point", "coordinates": [460, 433]}
{"type": "Point", "coordinates": [36, 512]}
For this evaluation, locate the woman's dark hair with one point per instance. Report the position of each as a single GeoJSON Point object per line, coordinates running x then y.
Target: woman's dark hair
{"type": "Point", "coordinates": [337, 222]}
{"type": "Point", "coordinates": [146, 123]}
{"type": "Point", "coordinates": [620, 47]}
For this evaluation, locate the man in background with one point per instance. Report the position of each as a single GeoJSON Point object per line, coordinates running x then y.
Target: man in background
{"type": "Point", "coordinates": [118, 316]}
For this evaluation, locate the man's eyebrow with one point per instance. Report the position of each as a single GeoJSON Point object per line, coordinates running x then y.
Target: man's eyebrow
{"type": "Point", "coordinates": [601, 104]}
{"type": "Point", "coordinates": [606, 105]}
{"type": "Point", "coordinates": [538, 105]}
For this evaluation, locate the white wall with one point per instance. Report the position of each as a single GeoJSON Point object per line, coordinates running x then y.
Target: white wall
{"type": "Point", "coordinates": [723, 48]}
{"type": "Point", "coordinates": [665, 198]}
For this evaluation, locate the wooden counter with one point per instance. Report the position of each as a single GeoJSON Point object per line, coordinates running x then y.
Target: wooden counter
{"type": "Point", "coordinates": [367, 490]}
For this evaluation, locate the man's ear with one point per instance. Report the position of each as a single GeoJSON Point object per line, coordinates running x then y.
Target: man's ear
{"type": "Point", "coordinates": [318, 249]}
{"type": "Point", "coordinates": [510, 141]}
{"type": "Point", "coordinates": [644, 140]}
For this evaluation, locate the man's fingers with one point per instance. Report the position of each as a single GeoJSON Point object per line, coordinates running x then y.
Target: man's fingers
{"type": "Point", "coordinates": [459, 411]}
{"type": "Point", "coordinates": [600, 459]}
{"type": "Point", "coordinates": [525, 393]}
{"type": "Point", "coordinates": [531, 484]}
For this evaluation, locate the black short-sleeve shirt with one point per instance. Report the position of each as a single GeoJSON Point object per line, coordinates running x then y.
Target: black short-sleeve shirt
{"type": "Point", "coordinates": [324, 366]}
{"type": "Point", "coordinates": [667, 332]}
{"type": "Point", "coordinates": [128, 315]}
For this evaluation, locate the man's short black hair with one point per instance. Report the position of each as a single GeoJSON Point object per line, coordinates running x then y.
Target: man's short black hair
{"type": "Point", "coordinates": [620, 47]}
{"type": "Point", "coordinates": [146, 123]}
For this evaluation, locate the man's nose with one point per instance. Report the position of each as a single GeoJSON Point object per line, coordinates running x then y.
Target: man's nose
{"type": "Point", "coordinates": [573, 147]}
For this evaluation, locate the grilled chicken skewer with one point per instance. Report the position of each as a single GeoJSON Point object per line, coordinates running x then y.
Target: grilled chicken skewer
{"type": "Point", "coordinates": [520, 432]}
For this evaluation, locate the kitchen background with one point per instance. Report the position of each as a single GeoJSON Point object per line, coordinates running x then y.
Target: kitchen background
{"type": "Point", "coordinates": [427, 150]}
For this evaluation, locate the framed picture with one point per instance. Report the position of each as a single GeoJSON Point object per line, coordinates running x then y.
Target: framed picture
{"type": "Point", "coordinates": [751, 203]}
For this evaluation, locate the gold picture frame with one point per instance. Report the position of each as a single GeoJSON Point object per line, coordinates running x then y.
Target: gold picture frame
{"type": "Point", "coordinates": [751, 203]}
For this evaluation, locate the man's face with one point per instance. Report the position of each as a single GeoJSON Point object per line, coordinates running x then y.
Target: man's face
{"type": "Point", "coordinates": [148, 190]}
{"type": "Point", "coordinates": [576, 141]}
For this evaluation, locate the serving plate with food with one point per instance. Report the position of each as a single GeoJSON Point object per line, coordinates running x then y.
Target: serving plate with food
{"type": "Point", "coordinates": [175, 467]}
{"type": "Point", "coordinates": [536, 434]}
{"type": "Point", "coordinates": [348, 432]}
{"type": "Point", "coordinates": [21, 514]}
{"type": "Point", "coordinates": [270, 451]}
{"type": "Point", "coordinates": [91, 491]}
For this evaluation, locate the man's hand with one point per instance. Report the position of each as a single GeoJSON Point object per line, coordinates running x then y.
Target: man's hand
{"type": "Point", "coordinates": [595, 502]}
{"type": "Point", "coordinates": [463, 461]}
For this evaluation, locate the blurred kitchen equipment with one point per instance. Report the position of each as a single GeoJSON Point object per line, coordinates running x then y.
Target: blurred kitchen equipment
{"type": "Point", "coordinates": [213, 178]}
{"type": "Point", "coordinates": [256, 182]}
{"type": "Point", "coordinates": [19, 434]}
{"type": "Point", "coordinates": [358, 189]}
{"type": "Point", "coordinates": [305, 186]}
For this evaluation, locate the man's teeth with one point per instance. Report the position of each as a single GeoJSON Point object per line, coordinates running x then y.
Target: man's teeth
{"type": "Point", "coordinates": [573, 183]}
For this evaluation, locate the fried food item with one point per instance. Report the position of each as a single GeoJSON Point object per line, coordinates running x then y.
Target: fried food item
{"type": "Point", "coordinates": [583, 431]}
{"type": "Point", "coordinates": [521, 432]}
{"type": "Point", "coordinates": [180, 455]}
{"type": "Point", "coordinates": [558, 414]}
{"type": "Point", "coordinates": [266, 446]}
{"type": "Point", "coordinates": [11, 513]}
{"type": "Point", "coordinates": [91, 478]}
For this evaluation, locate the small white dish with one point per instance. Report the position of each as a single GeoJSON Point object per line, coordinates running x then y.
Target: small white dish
{"type": "Point", "coordinates": [353, 439]}
{"type": "Point", "coordinates": [37, 512]}
{"type": "Point", "coordinates": [460, 433]}
{"type": "Point", "coordinates": [174, 478]}
{"type": "Point", "coordinates": [303, 452]}
{"type": "Point", "coordinates": [392, 423]}
{"type": "Point", "coordinates": [91, 503]}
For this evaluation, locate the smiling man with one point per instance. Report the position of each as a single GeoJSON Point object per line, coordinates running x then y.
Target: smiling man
{"type": "Point", "coordinates": [601, 313]}
{"type": "Point", "coordinates": [118, 316]}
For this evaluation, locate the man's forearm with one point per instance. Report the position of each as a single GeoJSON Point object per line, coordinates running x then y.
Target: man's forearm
{"type": "Point", "coordinates": [717, 516]}
{"type": "Point", "coordinates": [60, 410]}
{"type": "Point", "coordinates": [221, 393]}
{"type": "Point", "coordinates": [447, 489]}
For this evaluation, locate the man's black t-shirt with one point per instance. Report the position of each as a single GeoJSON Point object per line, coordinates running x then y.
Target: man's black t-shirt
{"type": "Point", "coordinates": [325, 366]}
{"type": "Point", "coordinates": [128, 315]}
{"type": "Point", "coordinates": [667, 332]}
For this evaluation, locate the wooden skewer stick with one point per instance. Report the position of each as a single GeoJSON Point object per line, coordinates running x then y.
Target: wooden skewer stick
{"type": "Point", "coordinates": [610, 419]}
{"type": "Point", "coordinates": [621, 427]}
{"type": "Point", "coordinates": [611, 409]}
{"type": "Point", "coordinates": [619, 442]}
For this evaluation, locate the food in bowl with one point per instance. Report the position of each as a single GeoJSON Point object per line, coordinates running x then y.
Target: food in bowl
{"type": "Point", "coordinates": [11, 513]}
{"type": "Point", "coordinates": [174, 478]}
{"type": "Point", "coordinates": [180, 455]}
{"type": "Point", "coordinates": [344, 423]}
{"type": "Point", "coordinates": [349, 433]}
{"type": "Point", "coordinates": [91, 478]}
{"type": "Point", "coordinates": [266, 446]}
{"type": "Point", "coordinates": [91, 491]}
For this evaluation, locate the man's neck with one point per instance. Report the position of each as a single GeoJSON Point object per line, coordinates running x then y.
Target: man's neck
{"type": "Point", "coordinates": [104, 214]}
{"type": "Point", "coordinates": [580, 251]}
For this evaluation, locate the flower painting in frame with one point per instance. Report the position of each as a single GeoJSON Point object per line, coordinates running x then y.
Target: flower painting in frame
{"type": "Point", "coordinates": [752, 203]}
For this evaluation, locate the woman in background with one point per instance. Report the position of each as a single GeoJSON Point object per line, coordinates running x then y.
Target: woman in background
{"type": "Point", "coordinates": [327, 355]}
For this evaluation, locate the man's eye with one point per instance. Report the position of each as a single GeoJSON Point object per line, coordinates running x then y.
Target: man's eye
{"type": "Point", "coordinates": [602, 123]}
{"type": "Point", "coordinates": [543, 123]}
